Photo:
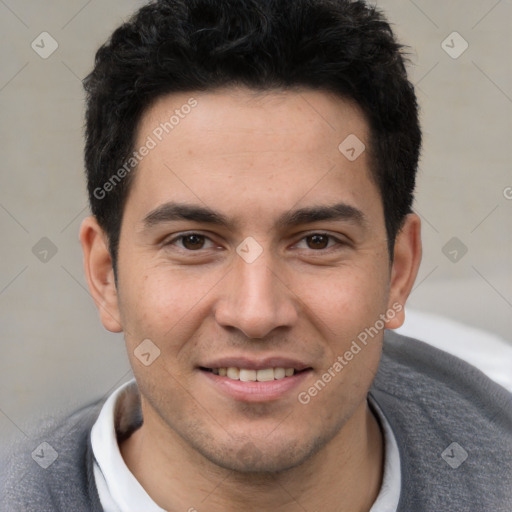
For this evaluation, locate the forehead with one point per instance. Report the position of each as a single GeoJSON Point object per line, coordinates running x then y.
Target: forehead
{"type": "Point", "coordinates": [266, 148]}
{"type": "Point", "coordinates": [294, 120]}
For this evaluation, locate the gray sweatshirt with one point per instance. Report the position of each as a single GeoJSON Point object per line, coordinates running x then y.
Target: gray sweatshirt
{"type": "Point", "coordinates": [452, 424]}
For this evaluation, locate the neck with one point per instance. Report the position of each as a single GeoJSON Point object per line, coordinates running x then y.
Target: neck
{"type": "Point", "coordinates": [344, 476]}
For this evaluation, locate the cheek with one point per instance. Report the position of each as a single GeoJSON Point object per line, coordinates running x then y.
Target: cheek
{"type": "Point", "coordinates": [164, 305]}
{"type": "Point", "coordinates": [346, 300]}
{"type": "Point", "coordinates": [348, 318]}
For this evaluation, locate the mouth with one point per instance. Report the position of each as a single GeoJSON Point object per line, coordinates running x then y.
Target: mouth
{"type": "Point", "coordinates": [250, 381]}
{"type": "Point", "coordinates": [252, 375]}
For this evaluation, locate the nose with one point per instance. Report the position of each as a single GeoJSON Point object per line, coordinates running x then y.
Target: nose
{"type": "Point", "coordinates": [255, 300]}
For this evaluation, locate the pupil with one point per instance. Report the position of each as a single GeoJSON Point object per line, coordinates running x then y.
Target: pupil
{"type": "Point", "coordinates": [318, 241]}
{"type": "Point", "coordinates": [193, 241]}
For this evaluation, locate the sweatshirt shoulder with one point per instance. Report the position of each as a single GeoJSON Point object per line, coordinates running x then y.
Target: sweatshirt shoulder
{"type": "Point", "coordinates": [411, 369]}
{"type": "Point", "coordinates": [51, 471]}
{"type": "Point", "coordinates": [453, 426]}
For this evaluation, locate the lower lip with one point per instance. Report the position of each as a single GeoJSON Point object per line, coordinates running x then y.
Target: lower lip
{"type": "Point", "coordinates": [256, 391]}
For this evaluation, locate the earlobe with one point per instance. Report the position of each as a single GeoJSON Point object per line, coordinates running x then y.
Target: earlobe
{"type": "Point", "coordinates": [407, 259]}
{"type": "Point", "coordinates": [100, 273]}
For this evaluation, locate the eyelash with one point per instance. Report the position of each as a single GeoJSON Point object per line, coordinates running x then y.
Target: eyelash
{"type": "Point", "coordinates": [338, 243]}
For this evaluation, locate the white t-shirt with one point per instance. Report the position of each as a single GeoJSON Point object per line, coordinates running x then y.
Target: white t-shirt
{"type": "Point", "coordinates": [120, 491]}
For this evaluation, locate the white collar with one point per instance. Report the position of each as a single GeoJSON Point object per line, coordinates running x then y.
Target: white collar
{"type": "Point", "coordinates": [389, 494]}
{"type": "Point", "coordinates": [118, 489]}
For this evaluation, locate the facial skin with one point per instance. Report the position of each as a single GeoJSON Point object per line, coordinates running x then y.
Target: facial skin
{"type": "Point", "coordinates": [254, 159]}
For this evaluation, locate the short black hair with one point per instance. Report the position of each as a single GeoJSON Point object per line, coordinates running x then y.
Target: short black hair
{"type": "Point", "coordinates": [338, 46]}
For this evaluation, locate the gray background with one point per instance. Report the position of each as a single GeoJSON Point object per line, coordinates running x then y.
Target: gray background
{"type": "Point", "coordinates": [54, 352]}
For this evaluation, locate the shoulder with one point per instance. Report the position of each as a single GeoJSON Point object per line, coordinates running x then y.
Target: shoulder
{"type": "Point", "coordinates": [453, 426]}
{"type": "Point", "coordinates": [53, 471]}
{"type": "Point", "coordinates": [411, 369]}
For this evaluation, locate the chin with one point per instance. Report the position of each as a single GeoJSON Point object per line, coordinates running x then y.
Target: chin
{"type": "Point", "coordinates": [249, 458]}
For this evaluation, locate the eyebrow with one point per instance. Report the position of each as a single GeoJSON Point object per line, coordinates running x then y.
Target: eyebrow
{"type": "Point", "coordinates": [172, 211]}
{"type": "Point", "coordinates": [169, 212]}
{"type": "Point", "coordinates": [339, 211]}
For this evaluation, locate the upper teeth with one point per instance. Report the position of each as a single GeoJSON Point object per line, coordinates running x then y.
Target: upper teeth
{"type": "Point", "coordinates": [246, 375]}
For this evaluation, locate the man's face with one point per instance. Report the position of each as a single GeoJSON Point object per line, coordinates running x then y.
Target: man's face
{"type": "Point", "coordinates": [285, 281]}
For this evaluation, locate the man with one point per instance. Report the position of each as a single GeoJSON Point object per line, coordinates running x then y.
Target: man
{"type": "Point", "coordinates": [251, 168]}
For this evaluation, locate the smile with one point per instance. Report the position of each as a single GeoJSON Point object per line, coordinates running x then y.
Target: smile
{"type": "Point", "coordinates": [250, 375]}
{"type": "Point", "coordinates": [251, 385]}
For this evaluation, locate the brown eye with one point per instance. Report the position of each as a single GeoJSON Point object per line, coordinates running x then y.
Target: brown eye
{"type": "Point", "coordinates": [317, 241]}
{"type": "Point", "coordinates": [193, 242]}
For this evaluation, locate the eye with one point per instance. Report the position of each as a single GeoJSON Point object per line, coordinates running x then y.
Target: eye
{"type": "Point", "coordinates": [319, 241]}
{"type": "Point", "coordinates": [191, 241]}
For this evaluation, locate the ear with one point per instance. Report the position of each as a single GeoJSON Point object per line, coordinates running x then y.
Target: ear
{"type": "Point", "coordinates": [406, 262]}
{"type": "Point", "coordinates": [100, 273]}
